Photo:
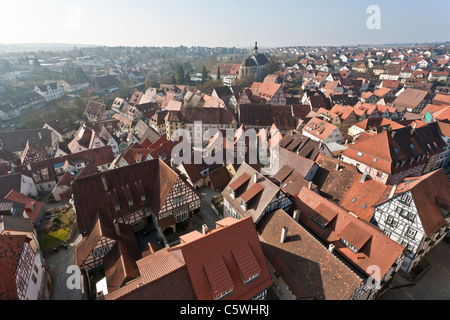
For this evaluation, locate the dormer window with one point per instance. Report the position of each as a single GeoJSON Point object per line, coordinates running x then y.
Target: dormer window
{"type": "Point", "coordinates": [117, 207]}
{"type": "Point", "coordinates": [130, 203]}
{"type": "Point", "coordinates": [223, 295]}
{"type": "Point", "coordinates": [348, 245]}
{"type": "Point", "coordinates": [143, 198]}
{"type": "Point", "coordinates": [251, 278]}
{"type": "Point", "coordinates": [360, 154]}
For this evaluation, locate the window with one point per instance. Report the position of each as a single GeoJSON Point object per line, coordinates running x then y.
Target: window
{"type": "Point", "coordinates": [318, 222]}
{"type": "Point", "coordinates": [406, 199]}
{"type": "Point", "coordinates": [391, 221]}
{"type": "Point", "coordinates": [224, 294]}
{"type": "Point", "coordinates": [387, 233]}
{"type": "Point", "coordinates": [410, 233]}
{"type": "Point", "coordinates": [348, 245]}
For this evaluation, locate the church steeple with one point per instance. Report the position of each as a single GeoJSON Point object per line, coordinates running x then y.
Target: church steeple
{"type": "Point", "coordinates": [256, 47]}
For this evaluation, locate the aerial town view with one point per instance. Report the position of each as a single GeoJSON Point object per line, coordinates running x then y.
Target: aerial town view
{"type": "Point", "coordinates": [235, 151]}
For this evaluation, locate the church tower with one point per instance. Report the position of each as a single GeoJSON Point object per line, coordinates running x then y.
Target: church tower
{"type": "Point", "coordinates": [256, 47]}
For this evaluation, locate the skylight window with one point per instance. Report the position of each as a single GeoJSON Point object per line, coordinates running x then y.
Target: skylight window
{"type": "Point", "coordinates": [364, 206]}
{"type": "Point", "coordinates": [360, 154]}
{"type": "Point", "coordinates": [396, 150]}
{"type": "Point", "coordinates": [354, 199]}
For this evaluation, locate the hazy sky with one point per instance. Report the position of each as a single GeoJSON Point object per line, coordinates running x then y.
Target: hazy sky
{"type": "Point", "coordinates": [221, 23]}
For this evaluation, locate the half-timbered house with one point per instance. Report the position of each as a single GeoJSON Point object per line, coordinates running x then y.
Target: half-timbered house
{"type": "Point", "coordinates": [145, 193]}
{"type": "Point", "coordinates": [415, 214]}
{"type": "Point", "coordinates": [249, 193]}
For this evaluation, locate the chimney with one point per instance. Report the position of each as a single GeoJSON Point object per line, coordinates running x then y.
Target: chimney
{"type": "Point", "coordinates": [413, 128]}
{"type": "Point", "coordinates": [284, 231]}
{"type": "Point", "coordinates": [255, 178]}
{"type": "Point", "coordinates": [363, 178]}
{"type": "Point", "coordinates": [116, 227]}
{"type": "Point", "coordinates": [297, 214]}
{"type": "Point", "coordinates": [331, 248]}
{"type": "Point", "coordinates": [105, 185]}
{"type": "Point", "coordinates": [337, 166]}
{"type": "Point", "coordinates": [392, 134]}
{"type": "Point", "coordinates": [205, 229]}
{"type": "Point", "coordinates": [394, 188]}
{"type": "Point", "coordinates": [310, 185]}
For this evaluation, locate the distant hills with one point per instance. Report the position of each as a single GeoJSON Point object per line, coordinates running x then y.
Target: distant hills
{"type": "Point", "coordinates": [23, 47]}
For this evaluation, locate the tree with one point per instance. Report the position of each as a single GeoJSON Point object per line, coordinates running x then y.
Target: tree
{"type": "Point", "coordinates": [218, 73]}
{"type": "Point", "coordinates": [148, 82]}
{"type": "Point", "coordinates": [180, 75]}
{"type": "Point", "coordinates": [204, 74]}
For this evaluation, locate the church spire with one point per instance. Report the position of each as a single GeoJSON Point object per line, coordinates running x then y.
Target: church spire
{"type": "Point", "coordinates": [256, 47]}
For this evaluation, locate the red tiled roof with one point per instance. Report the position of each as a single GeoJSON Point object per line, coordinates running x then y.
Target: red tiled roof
{"type": "Point", "coordinates": [218, 261]}
{"type": "Point", "coordinates": [379, 250]}
{"type": "Point", "coordinates": [239, 181]}
{"type": "Point", "coordinates": [251, 192]}
{"type": "Point", "coordinates": [32, 207]}
{"type": "Point", "coordinates": [10, 248]}
{"type": "Point", "coordinates": [305, 264]}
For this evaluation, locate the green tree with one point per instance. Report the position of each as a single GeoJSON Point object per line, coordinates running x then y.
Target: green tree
{"type": "Point", "coordinates": [180, 75]}
{"type": "Point", "coordinates": [204, 74]}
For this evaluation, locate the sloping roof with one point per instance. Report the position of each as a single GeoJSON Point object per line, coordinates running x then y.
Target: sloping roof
{"type": "Point", "coordinates": [163, 277]}
{"type": "Point", "coordinates": [373, 247]}
{"type": "Point", "coordinates": [305, 264]}
{"type": "Point", "coordinates": [430, 193]}
{"type": "Point", "coordinates": [13, 223]}
{"type": "Point", "coordinates": [223, 258]}
{"type": "Point", "coordinates": [410, 98]}
{"type": "Point", "coordinates": [32, 206]}
{"type": "Point", "coordinates": [90, 195]}
{"type": "Point", "coordinates": [15, 141]}
{"type": "Point", "coordinates": [334, 178]}
{"type": "Point", "coordinates": [10, 254]}
{"type": "Point", "coordinates": [362, 196]}
{"type": "Point", "coordinates": [258, 203]}
{"type": "Point", "coordinates": [384, 149]}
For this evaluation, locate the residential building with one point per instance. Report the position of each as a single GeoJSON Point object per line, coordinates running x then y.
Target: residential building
{"type": "Point", "coordinates": [414, 213]}
{"type": "Point", "coordinates": [292, 252]}
{"type": "Point", "coordinates": [360, 244]}
{"type": "Point", "coordinates": [50, 91]}
{"type": "Point", "coordinates": [125, 195]}
{"type": "Point", "coordinates": [389, 156]}
{"type": "Point", "coordinates": [322, 131]}
{"type": "Point", "coordinates": [24, 275]}
{"type": "Point", "coordinates": [225, 263]}
{"type": "Point", "coordinates": [250, 194]}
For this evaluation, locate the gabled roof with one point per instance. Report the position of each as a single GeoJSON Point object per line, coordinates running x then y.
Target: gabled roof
{"type": "Point", "coordinates": [260, 200]}
{"type": "Point", "coordinates": [32, 206]}
{"type": "Point", "coordinates": [430, 195]}
{"type": "Point", "coordinates": [386, 148]}
{"type": "Point", "coordinates": [222, 259]}
{"type": "Point", "coordinates": [334, 178]}
{"type": "Point", "coordinates": [92, 195]}
{"type": "Point", "coordinates": [372, 246]}
{"type": "Point", "coordinates": [305, 264]}
{"type": "Point", "coordinates": [410, 98]}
